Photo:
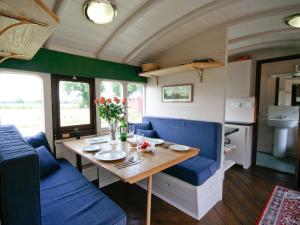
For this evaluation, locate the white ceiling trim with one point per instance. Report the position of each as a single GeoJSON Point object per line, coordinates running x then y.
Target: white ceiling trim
{"type": "Point", "coordinates": [248, 18]}
{"type": "Point", "coordinates": [264, 34]}
{"type": "Point", "coordinates": [270, 44]}
{"type": "Point", "coordinates": [263, 14]}
{"type": "Point", "coordinates": [127, 23]}
{"type": "Point", "coordinates": [182, 20]}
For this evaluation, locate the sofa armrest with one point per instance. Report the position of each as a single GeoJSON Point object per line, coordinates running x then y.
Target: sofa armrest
{"type": "Point", "coordinates": [19, 180]}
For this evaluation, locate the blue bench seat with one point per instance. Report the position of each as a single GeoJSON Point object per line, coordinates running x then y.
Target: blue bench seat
{"type": "Point", "coordinates": [67, 198]}
{"type": "Point", "coordinates": [207, 136]}
{"type": "Point", "coordinates": [29, 196]}
{"type": "Point", "coordinates": [194, 171]}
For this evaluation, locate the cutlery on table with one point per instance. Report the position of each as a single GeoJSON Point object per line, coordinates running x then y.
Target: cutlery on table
{"type": "Point", "coordinates": [129, 164]}
{"type": "Point", "coordinates": [131, 159]}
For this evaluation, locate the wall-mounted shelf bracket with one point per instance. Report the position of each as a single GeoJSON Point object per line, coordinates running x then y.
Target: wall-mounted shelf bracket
{"type": "Point", "coordinates": [155, 79]}
{"type": "Point", "coordinates": [200, 73]}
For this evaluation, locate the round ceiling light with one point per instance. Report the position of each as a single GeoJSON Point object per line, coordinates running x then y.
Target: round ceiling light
{"type": "Point", "coordinates": [293, 20]}
{"type": "Point", "coordinates": [100, 11]}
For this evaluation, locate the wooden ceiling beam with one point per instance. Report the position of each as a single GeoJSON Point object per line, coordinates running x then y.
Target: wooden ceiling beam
{"type": "Point", "coordinates": [204, 9]}
{"type": "Point", "coordinates": [254, 16]}
{"type": "Point", "coordinates": [139, 12]}
{"type": "Point", "coordinates": [58, 9]}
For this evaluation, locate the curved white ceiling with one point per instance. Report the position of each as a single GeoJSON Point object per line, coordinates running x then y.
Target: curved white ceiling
{"type": "Point", "coordinates": [145, 28]}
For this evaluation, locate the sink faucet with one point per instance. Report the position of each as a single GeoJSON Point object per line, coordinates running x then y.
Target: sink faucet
{"type": "Point", "coordinates": [283, 117]}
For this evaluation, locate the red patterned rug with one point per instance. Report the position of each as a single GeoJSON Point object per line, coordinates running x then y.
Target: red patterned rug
{"type": "Point", "coordinates": [283, 208]}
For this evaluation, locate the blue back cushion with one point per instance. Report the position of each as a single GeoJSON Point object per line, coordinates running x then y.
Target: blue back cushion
{"type": "Point", "coordinates": [147, 133]}
{"type": "Point", "coordinates": [207, 136]}
{"type": "Point", "coordinates": [48, 164]}
{"type": "Point", "coordinates": [19, 179]}
{"type": "Point", "coordinates": [38, 140]}
{"type": "Point", "coordinates": [142, 126]}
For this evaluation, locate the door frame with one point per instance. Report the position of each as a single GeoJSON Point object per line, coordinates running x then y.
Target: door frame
{"type": "Point", "coordinates": [259, 64]}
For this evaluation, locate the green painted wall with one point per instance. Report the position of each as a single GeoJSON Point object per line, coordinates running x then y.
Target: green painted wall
{"type": "Point", "coordinates": [49, 61]}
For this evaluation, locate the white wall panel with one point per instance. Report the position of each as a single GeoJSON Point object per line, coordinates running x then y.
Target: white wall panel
{"type": "Point", "coordinates": [208, 103]}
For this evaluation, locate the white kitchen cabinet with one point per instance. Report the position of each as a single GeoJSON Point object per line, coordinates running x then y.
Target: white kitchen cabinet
{"type": "Point", "coordinates": [242, 139]}
{"type": "Point", "coordinates": [240, 79]}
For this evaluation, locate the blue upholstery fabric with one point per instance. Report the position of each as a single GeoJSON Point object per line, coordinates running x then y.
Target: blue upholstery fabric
{"type": "Point", "coordinates": [142, 126]}
{"type": "Point", "coordinates": [67, 198]}
{"type": "Point", "coordinates": [19, 179]}
{"type": "Point", "coordinates": [48, 164]}
{"type": "Point", "coordinates": [147, 133]}
{"type": "Point", "coordinates": [207, 136]}
{"type": "Point", "coordinates": [64, 197]}
{"type": "Point", "coordinates": [194, 171]}
{"type": "Point", "coordinates": [38, 140]}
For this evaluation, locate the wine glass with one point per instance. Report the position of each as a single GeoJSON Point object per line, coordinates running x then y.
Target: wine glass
{"type": "Point", "coordinates": [139, 142]}
{"type": "Point", "coordinates": [131, 130]}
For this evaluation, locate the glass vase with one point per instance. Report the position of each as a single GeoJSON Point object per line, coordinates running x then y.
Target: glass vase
{"type": "Point", "coordinates": [113, 130]}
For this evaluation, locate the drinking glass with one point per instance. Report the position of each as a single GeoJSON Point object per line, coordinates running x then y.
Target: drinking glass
{"type": "Point", "coordinates": [131, 129]}
{"type": "Point", "coordinates": [139, 142]}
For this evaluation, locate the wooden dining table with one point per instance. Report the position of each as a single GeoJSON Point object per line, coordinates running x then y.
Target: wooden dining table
{"type": "Point", "coordinates": [151, 163]}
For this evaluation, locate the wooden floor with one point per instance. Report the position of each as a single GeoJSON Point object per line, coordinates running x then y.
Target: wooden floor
{"type": "Point", "coordinates": [245, 193]}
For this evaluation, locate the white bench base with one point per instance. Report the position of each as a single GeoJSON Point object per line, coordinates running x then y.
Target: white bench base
{"type": "Point", "coordinates": [195, 201]}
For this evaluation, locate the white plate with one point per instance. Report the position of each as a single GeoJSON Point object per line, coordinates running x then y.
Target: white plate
{"type": "Point", "coordinates": [95, 140]}
{"type": "Point", "coordinates": [155, 141]}
{"type": "Point", "coordinates": [110, 155]}
{"type": "Point", "coordinates": [91, 148]}
{"type": "Point", "coordinates": [181, 148]}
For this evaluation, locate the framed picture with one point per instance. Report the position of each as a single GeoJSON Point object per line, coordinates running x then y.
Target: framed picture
{"type": "Point", "coordinates": [177, 93]}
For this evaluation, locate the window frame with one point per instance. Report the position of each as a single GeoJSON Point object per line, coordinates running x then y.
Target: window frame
{"type": "Point", "coordinates": [124, 84]}
{"type": "Point", "coordinates": [43, 78]}
{"type": "Point", "coordinates": [68, 131]}
{"type": "Point", "coordinates": [101, 128]}
{"type": "Point", "coordinates": [143, 96]}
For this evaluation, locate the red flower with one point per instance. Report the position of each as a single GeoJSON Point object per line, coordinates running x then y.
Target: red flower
{"type": "Point", "coordinates": [102, 100]}
{"type": "Point", "coordinates": [108, 100]}
{"type": "Point", "coordinates": [116, 100]}
{"type": "Point", "coordinates": [96, 101]}
{"type": "Point", "coordinates": [124, 101]}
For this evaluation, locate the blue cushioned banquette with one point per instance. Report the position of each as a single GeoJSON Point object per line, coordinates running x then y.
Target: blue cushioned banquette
{"type": "Point", "coordinates": [64, 197]}
{"type": "Point", "coordinates": [207, 136]}
{"type": "Point", "coordinates": [67, 198]}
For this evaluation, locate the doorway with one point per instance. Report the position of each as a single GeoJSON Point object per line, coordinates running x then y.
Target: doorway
{"type": "Point", "coordinates": [278, 97]}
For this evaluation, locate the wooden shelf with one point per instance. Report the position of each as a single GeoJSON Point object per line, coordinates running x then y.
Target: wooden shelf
{"type": "Point", "coordinates": [181, 68]}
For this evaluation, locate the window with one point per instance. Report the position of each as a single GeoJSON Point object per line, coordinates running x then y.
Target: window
{"type": "Point", "coordinates": [74, 100]}
{"type": "Point", "coordinates": [21, 102]}
{"type": "Point", "coordinates": [110, 89]}
{"type": "Point", "coordinates": [135, 102]}
{"type": "Point", "coordinates": [73, 106]}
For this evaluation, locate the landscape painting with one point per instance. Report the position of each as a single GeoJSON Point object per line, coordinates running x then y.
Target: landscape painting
{"type": "Point", "coordinates": [177, 93]}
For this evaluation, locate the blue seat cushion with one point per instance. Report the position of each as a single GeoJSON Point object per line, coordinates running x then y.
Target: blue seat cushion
{"type": "Point", "coordinates": [38, 140]}
{"type": "Point", "coordinates": [67, 198]}
{"type": "Point", "coordinates": [195, 170]}
{"type": "Point", "coordinates": [142, 126]}
{"type": "Point", "coordinates": [48, 163]}
{"type": "Point", "coordinates": [147, 133]}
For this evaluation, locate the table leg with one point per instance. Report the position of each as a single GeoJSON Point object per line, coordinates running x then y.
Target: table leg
{"type": "Point", "coordinates": [79, 163]}
{"type": "Point", "coordinates": [149, 195]}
